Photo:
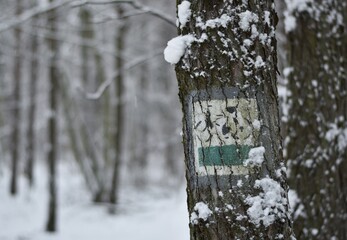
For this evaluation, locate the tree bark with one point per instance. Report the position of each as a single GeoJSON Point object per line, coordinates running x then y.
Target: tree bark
{"type": "Point", "coordinates": [317, 118]}
{"type": "Point", "coordinates": [15, 138]}
{"type": "Point", "coordinates": [52, 125]}
{"type": "Point", "coordinates": [227, 87]}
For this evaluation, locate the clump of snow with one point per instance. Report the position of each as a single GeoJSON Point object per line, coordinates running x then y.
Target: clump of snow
{"type": "Point", "coordinates": [269, 205]}
{"type": "Point", "coordinates": [340, 134]}
{"type": "Point", "coordinates": [287, 71]}
{"type": "Point", "coordinates": [217, 22]}
{"type": "Point", "coordinates": [256, 124]}
{"type": "Point", "coordinates": [184, 12]}
{"type": "Point", "coordinates": [267, 17]}
{"type": "Point", "coordinates": [292, 6]}
{"type": "Point", "coordinates": [293, 199]}
{"type": "Point", "coordinates": [259, 62]}
{"type": "Point", "coordinates": [255, 156]}
{"type": "Point", "coordinates": [247, 42]}
{"type": "Point", "coordinates": [246, 18]}
{"type": "Point", "coordinates": [221, 21]}
{"type": "Point", "coordinates": [239, 183]}
{"type": "Point", "coordinates": [176, 48]}
{"type": "Point", "coordinates": [201, 211]}
{"type": "Point", "coordinates": [289, 23]}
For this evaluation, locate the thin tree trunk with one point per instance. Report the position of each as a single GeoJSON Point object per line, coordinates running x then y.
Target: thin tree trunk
{"type": "Point", "coordinates": [317, 119]}
{"type": "Point", "coordinates": [141, 143]}
{"type": "Point", "coordinates": [77, 147]}
{"type": "Point", "coordinates": [52, 125]}
{"type": "Point", "coordinates": [91, 108]}
{"type": "Point", "coordinates": [227, 86]}
{"type": "Point", "coordinates": [119, 134]}
{"type": "Point", "coordinates": [15, 138]}
{"type": "Point", "coordinates": [30, 149]}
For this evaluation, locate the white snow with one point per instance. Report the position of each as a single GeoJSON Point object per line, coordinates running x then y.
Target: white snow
{"type": "Point", "coordinates": [269, 205]}
{"type": "Point", "coordinates": [256, 124]}
{"type": "Point", "coordinates": [140, 216]}
{"type": "Point", "coordinates": [246, 18]}
{"type": "Point", "coordinates": [259, 62]}
{"type": "Point", "coordinates": [292, 6]}
{"type": "Point", "coordinates": [289, 23]}
{"type": "Point", "coordinates": [267, 17]}
{"type": "Point", "coordinates": [340, 134]}
{"type": "Point", "coordinates": [184, 12]}
{"type": "Point", "coordinates": [176, 48]}
{"type": "Point", "coordinates": [217, 22]}
{"type": "Point", "coordinates": [255, 156]}
{"type": "Point", "coordinates": [201, 211]}
{"type": "Point", "coordinates": [223, 21]}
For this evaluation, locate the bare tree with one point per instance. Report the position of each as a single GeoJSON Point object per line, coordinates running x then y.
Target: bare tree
{"type": "Point", "coordinates": [34, 68]}
{"type": "Point", "coordinates": [53, 72]}
{"type": "Point", "coordinates": [120, 89]}
{"type": "Point", "coordinates": [15, 138]}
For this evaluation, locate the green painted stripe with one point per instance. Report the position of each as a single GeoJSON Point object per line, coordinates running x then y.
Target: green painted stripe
{"type": "Point", "coordinates": [227, 155]}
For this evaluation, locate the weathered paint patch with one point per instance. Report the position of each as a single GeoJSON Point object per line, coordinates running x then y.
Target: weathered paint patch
{"type": "Point", "coordinates": [223, 135]}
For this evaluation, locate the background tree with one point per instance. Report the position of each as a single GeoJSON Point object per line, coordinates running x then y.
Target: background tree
{"type": "Point", "coordinates": [53, 72]}
{"type": "Point", "coordinates": [16, 105]}
{"type": "Point", "coordinates": [34, 71]}
{"type": "Point", "coordinates": [226, 72]}
{"type": "Point", "coordinates": [317, 118]}
{"type": "Point", "coordinates": [80, 56]}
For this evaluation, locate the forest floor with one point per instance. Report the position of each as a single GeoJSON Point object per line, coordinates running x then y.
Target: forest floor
{"type": "Point", "coordinates": [141, 216]}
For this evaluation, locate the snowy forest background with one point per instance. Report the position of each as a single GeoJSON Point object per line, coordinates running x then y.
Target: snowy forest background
{"type": "Point", "coordinates": [120, 169]}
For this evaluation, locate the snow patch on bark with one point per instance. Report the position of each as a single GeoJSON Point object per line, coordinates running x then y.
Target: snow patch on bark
{"type": "Point", "coordinates": [246, 18]}
{"type": "Point", "coordinates": [293, 6]}
{"type": "Point", "coordinates": [184, 12]}
{"type": "Point", "coordinates": [337, 133]}
{"type": "Point", "coordinates": [176, 48]}
{"type": "Point", "coordinates": [269, 205]}
{"type": "Point", "coordinates": [201, 211]}
{"type": "Point", "coordinates": [296, 208]}
{"type": "Point", "coordinates": [255, 156]}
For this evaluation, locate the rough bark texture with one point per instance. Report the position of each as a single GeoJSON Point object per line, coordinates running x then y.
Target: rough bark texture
{"type": "Point", "coordinates": [221, 63]}
{"type": "Point", "coordinates": [52, 126]}
{"type": "Point", "coordinates": [317, 119]}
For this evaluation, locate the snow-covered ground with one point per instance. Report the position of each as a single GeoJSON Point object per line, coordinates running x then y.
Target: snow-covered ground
{"type": "Point", "coordinates": [149, 216]}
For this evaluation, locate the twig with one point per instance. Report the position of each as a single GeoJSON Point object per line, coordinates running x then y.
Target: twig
{"type": "Point", "coordinates": [134, 4]}
{"type": "Point", "coordinates": [102, 88]}
{"type": "Point", "coordinates": [28, 14]}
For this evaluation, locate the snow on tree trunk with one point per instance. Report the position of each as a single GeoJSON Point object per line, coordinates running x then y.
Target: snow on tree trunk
{"type": "Point", "coordinates": [317, 118]}
{"type": "Point", "coordinates": [226, 61]}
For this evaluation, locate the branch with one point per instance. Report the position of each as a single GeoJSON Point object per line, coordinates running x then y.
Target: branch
{"type": "Point", "coordinates": [134, 4]}
{"type": "Point", "coordinates": [102, 88]}
{"type": "Point", "coordinates": [28, 14]}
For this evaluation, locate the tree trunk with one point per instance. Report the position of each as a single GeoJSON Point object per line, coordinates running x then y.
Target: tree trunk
{"type": "Point", "coordinates": [317, 118]}
{"type": "Point", "coordinates": [91, 108]}
{"type": "Point", "coordinates": [52, 125]}
{"type": "Point", "coordinates": [227, 86]}
{"type": "Point", "coordinates": [15, 138]}
{"type": "Point", "coordinates": [30, 148]}
{"type": "Point", "coordinates": [119, 134]}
